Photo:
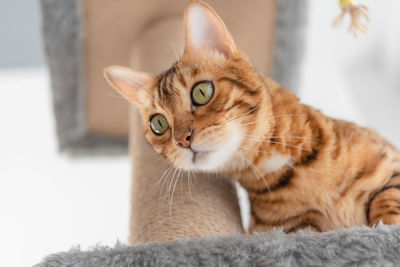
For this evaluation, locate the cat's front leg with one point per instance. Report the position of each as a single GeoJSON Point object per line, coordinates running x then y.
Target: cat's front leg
{"type": "Point", "coordinates": [290, 226]}
{"type": "Point", "coordinates": [287, 229]}
{"type": "Point", "coordinates": [304, 226]}
{"type": "Point", "coordinates": [384, 205]}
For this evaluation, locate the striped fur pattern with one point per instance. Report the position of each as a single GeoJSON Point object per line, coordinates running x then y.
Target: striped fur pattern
{"type": "Point", "coordinates": [301, 168]}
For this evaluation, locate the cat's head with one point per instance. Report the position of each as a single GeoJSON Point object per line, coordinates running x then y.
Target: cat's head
{"type": "Point", "coordinates": [197, 113]}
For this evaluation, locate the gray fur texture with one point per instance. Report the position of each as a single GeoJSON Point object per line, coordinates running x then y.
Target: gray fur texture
{"type": "Point", "coordinates": [361, 246]}
{"type": "Point", "coordinates": [289, 47]}
{"type": "Point", "coordinates": [63, 34]}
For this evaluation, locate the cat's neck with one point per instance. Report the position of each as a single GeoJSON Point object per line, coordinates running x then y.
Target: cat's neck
{"type": "Point", "coordinates": [296, 130]}
{"type": "Point", "coordinates": [291, 135]}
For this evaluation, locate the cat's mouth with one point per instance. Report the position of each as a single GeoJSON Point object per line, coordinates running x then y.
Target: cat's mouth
{"type": "Point", "coordinates": [211, 155]}
{"type": "Point", "coordinates": [199, 156]}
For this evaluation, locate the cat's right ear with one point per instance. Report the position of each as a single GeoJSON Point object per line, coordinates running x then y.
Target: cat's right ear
{"type": "Point", "coordinates": [205, 30]}
{"type": "Point", "coordinates": [129, 83]}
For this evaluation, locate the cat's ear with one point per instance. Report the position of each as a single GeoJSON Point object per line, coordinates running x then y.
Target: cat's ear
{"type": "Point", "coordinates": [129, 83]}
{"type": "Point", "coordinates": [204, 29]}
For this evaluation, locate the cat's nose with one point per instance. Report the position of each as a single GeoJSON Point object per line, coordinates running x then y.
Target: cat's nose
{"type": "Point", "coordinates": [184, 139]}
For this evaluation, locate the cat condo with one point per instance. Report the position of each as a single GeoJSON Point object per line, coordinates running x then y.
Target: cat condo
{"type": "Point", "coordinates": [205, 228]}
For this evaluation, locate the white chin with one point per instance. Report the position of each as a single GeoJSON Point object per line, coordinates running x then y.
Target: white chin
{"type": "Point", "coordinates": [210, 160]}
{"type": "Point", "coordinates": [214, 159]}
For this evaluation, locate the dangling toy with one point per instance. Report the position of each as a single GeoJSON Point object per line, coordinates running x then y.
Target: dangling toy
{"type": "Point", "coordinates": [357, 13]}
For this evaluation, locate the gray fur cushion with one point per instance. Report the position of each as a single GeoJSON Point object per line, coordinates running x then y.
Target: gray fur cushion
{"type": "Point", "coordinates": [362, 246]}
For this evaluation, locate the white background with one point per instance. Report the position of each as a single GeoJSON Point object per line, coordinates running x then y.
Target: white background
{"type": "Point", "coordinates": [50, 202]}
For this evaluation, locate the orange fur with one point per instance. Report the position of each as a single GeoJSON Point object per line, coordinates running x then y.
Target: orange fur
{"type": "Point", "coordinates": [300, 168]}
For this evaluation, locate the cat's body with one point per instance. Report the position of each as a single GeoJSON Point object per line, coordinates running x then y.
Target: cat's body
{"type": "Point", "coordinates": [211, 111]}
{"type": "Point", "coordinates": [319, 172]}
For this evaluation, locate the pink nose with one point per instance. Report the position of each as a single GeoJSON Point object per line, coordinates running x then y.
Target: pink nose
{"type": "Point", "coordinates": [184, 139]}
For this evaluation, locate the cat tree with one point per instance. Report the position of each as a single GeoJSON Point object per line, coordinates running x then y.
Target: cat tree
{"type": "Point", "coordinates": [83, 37]}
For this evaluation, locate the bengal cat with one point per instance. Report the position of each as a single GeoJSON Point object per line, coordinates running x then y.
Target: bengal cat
{"type": "Point", "coordinates": [212, 112]}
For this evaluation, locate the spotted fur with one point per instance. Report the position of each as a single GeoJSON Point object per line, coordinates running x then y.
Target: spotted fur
{"type": "Point", "coordinates": [301, 168]}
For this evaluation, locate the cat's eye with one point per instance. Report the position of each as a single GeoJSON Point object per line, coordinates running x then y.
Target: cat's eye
{"type": "Point", "coordinates": [159, 124]}
{"type": "Point", "coordinates": [202, 93]}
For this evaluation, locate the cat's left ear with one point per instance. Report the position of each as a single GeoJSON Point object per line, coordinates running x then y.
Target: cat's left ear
{"type": "Point", "coordinates": [205, 30]}
{"type": "Point", "coordinates": [131, 84]}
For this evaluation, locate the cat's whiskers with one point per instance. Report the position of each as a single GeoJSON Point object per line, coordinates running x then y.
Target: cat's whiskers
{"type": "Point", "coordinates": [171, 182]}
{"type": "Point", "coordinates": [248, 112]}
{"type": "Point", "coordinates": [289, 114]}
{"type": "Point", "coordinates": [264, 119]}
{"type": "Point", "coordinates": [254, 169]}
{"type": "Point", "coordinates": [280, 137]}
{"type": "Point", "coordinates": [189, 184]}
{"type": "Point", "coordinates": [161, 179]}
{"type": "Point", "coordinates": [252, 149]}
{"type": "Point", "coordinates": [163, 183]}
{"type": "Point", "coordinates": [173, 191]}
{"type": "Point", "coordinates": [182, 183]}
{"type": "Point", "coordinates": [298, 147]}
{"type": "Point", "coordinates": [173, 160]}
{"type": "Point", "coordinates": [274, 142]}
{"type": "Point", "coordinates": [249, 123]}
{"type": "Point", "coordinates": [195, 177]}
{"type": "Point", "coordinates": [166, 176]}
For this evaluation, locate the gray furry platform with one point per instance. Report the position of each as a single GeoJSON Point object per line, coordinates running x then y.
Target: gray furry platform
{"type": "Point", "coordinates": [361, 246]}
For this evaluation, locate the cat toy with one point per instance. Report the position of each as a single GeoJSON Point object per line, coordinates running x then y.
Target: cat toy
{"type": "Point", "coordinates": [357, 13]}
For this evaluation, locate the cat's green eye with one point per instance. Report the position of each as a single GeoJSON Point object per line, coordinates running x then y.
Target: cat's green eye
{"type": "Point", "coordinates": [202, 93]}
{"type": "Point", "coordinates": [159, 124]}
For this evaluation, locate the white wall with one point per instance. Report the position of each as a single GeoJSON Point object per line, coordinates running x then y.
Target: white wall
{"type": "Point", "coordinates": [356, 79]}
